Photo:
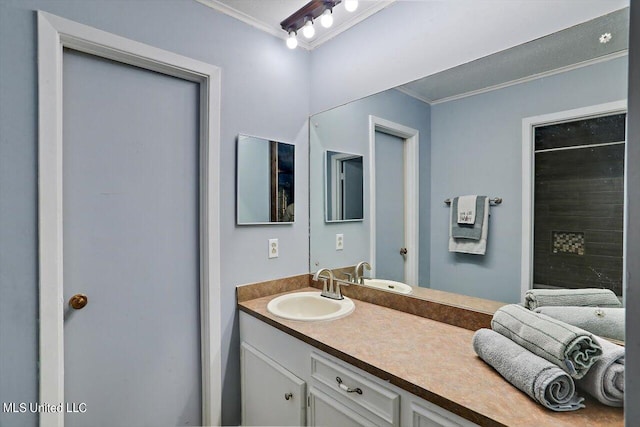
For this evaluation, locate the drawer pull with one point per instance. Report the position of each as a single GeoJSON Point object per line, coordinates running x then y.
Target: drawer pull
{"type": "Point", "coordinates": [288, 396]}
{"type": "Point", "coordinates": [346, 388]}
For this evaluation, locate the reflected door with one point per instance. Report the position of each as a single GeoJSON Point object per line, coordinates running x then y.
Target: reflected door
{"type": "Point", "coordinates": [131, 245]}
{"type": "Point", "coordinates": [352, 188]}
{"type": "Point", "coordinates": [390, 206]}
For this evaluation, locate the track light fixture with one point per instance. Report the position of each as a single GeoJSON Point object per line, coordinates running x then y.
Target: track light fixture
{"type": "Point", "coordinates": [307, 30]}
{"type": "Point", "coordinates": [292, 41]}
{"type": "Point", "coordinates": [350, 5]}
{"type": "Point", "coordinates": [304, 17]}
{"type": "Point", "coordinates": [326, 19]}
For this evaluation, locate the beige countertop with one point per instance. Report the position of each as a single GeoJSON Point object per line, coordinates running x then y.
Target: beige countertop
{"type": "Point", "coordinates": [431, 359]}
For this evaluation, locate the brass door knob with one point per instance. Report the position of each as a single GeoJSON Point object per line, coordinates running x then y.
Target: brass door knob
{"type": "Point", "coordinates": [78, 301]}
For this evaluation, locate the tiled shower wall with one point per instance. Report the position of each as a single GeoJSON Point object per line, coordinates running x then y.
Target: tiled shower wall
{"type": "Point", "coordinates": [579, 204]}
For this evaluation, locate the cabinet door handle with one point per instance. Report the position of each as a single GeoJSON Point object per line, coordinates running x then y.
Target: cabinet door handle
{"type": "Point", "coordinates": [346, 388]}
{"type": "Point", "coordinates": [288, 396]}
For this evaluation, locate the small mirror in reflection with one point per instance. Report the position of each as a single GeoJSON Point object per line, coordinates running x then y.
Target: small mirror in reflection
{"type": "Point", "coordinates": [343, 187]}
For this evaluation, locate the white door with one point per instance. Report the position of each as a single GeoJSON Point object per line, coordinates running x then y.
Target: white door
{"type": "Point", "coordinates": [390, 207]}
{"type": "Point", "coordinates": [131, 245]}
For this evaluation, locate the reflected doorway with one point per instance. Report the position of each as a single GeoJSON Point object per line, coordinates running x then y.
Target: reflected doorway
{"type": "Point", "coordinates": [394, 200]}
{"type": "Point", "coordinates": [579, 203]}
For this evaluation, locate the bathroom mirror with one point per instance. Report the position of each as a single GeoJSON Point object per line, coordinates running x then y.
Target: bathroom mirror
{"type": "Point", "coordinates": [343, 187]}
{"type": "Point", "coordinates": [265, 181]}
{"type": "Point", "coordinates": [475, 124]}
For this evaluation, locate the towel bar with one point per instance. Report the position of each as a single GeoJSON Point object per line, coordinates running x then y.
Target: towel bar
{"type": "Point", "coordinates": [494, 201]}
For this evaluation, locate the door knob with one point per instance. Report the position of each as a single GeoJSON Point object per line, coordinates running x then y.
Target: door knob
{"type": "Point", "coordinates": [78, 301]}
{"type": "Point", "coordinates": [403, 251]}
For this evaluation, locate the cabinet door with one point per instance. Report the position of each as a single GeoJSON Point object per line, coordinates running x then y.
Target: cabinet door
{"type": "Point", "coordinates": [271, 395]}
{"type": "Point", "coordinates": [429, 415]}
{"type": "Point", "coordinates": [326, 411]}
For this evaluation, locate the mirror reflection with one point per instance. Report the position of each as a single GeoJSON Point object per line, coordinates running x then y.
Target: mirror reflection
{"type": "Point", "coordinates": [479, 127]}
{"type": "Point", "coordinates": [265, 181]}
{"type": "Point", "coordinates": [343, 187]}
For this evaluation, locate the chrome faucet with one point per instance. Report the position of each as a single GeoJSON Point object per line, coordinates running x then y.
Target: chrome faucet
{"type": "Point", "coordinates": [358, 276]}
{"type": "Point", "coordinates": [330, 292]}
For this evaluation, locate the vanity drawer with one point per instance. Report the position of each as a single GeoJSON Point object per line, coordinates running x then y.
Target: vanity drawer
{"type": "Point", "coordinates": [352, 387]}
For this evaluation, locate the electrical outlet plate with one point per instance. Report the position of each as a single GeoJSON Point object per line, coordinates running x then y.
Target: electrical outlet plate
{"type": "Point", "coordinates": [339, 242]}
{"type": "Point", "coordinates": [273, 248]}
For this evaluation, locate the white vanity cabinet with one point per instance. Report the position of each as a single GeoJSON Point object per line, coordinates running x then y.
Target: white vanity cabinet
{"type": "Point", "coordinates": [271, 395]}
{"type": "Point", "coordinates": [426, 414]}
{"type": "Point", "coordinates": [324, 410]}
{"type": "Point", "coordinates": [337, 393]}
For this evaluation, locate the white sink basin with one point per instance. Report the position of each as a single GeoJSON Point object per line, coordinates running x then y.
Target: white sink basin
{"type": "Point", "coordinates": [388, 285]}
{"type": "Point", "coordinates": [309, 306]}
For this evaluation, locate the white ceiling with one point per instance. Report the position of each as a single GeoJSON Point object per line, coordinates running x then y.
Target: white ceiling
{"type": "Point", "coordinates": [266, 15]}
{"type": "Point", "coordinates": [567, 49]}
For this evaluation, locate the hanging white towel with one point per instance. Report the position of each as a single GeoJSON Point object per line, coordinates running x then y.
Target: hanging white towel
{"type": "Point", "coordinates": [478, 247]}
{"type": "Point", "coordinates": [467, 209]}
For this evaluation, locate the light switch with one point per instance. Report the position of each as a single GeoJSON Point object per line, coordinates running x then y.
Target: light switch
{"type": "Point", "coordinates": [339, 242]}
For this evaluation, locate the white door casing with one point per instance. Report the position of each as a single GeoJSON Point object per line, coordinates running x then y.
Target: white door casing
{"type": "Point", "coordinates": [528, 125]}
{"type": "Point", "coordinates": [54, 34]}
{"type": "Point", "coordinates": [411, 189]}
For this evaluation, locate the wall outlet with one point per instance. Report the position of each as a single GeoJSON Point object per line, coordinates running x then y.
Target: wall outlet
{"type": "Point", "coordinates": [273, 248]}
{"type": "Point", "coordinates": [339, 242]}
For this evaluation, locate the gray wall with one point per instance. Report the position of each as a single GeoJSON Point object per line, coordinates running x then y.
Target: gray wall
{"type": "Point", "coordinates": [476, 148]}
{"type": "Point", "coordinates": [258, 72]}
{"type": "Point", "coordinates": [346, 129]}
{"type": "Point", "coordinates": [632, 388]}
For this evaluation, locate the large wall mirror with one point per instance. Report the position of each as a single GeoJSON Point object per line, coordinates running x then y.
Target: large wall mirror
{"type": "Point", "coordinates": [265, 181]}
{"type": "Point", "coordinates": [481, 128]}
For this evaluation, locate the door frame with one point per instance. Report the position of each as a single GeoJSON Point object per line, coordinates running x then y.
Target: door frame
{"type": "Point", "coordinates": [411, 144]}
{"type": "Point", "coordinates": [528, 125]}
{"type": "Point", "coordinates": [54, 34]}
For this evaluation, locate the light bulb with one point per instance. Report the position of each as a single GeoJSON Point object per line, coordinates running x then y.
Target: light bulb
{"type": "Point", "coordinates": [350, 5]}
{"type": "Point", "coordinates": [292, 41]}
{"type": "Point", "coordinates": [327, 18]}
{"type": "Point", "coordinates": [308, 31]}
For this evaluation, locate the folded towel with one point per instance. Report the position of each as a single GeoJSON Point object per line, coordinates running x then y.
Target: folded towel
{"type": "Point", "coordinates": [604, 321]}
{"type": "Point", "coordinates": [478, 247]}
{"type": "Point", "coordinates": [589, 297]}
{"type": "Point", "coordinates": [572, 349]}
{"type": "Point", "coordinates": [466, 231]}
{"type": "Point", "coordinates": [466, 209]}
{"type": "Point", "coordinates": [543, 381]}
{"type": "Point", "coordinates": [605, 379]}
